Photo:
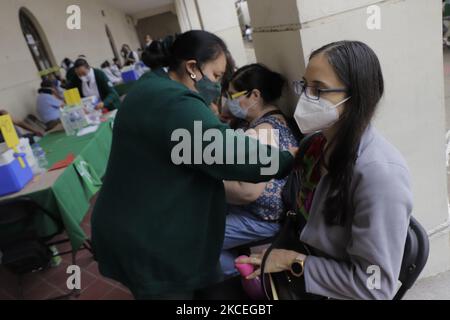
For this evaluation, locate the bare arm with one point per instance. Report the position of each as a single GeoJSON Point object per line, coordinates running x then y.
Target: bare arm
{"type": "Point", "coordinates": [241, 193]}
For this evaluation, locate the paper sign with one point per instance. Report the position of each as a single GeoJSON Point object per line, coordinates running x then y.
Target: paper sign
{"type": "Point", "coordinates": [8, 131]}
{"type": "Point", "coordinates": [72, 97]}
{"type": "Point", "coordinates": [10, 135]}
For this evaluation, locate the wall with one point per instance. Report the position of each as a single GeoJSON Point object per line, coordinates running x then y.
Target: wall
{"type": "Point", "coordinates": [216, 16]}
{"type": "Point", "coordinates": [187, 13]}
{"type": "Point", "coordinates": [220, 17]}
{"type": "Point", "coordinates": [154, 11]}
{"type": "Point", "coordinates": [158, 26]}
{"type": "Point", "coordinates": [19, 78]}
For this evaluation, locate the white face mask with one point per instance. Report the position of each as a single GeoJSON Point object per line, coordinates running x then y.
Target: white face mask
{"type": "Point", "coordinates": [316, 115]}
{"type": "Point", "coordinates": [88, 77]}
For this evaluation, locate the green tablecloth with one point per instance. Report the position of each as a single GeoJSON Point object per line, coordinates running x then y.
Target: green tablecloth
{"type": "Point", "coordinates": [68, 198]}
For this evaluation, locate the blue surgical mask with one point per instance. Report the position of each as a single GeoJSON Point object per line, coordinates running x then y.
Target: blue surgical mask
{"type": "Point", "coordinates": [236, 110]}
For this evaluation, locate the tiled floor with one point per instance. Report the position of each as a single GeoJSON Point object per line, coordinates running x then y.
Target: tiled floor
{"type": "Point", "coordinates": [51, 283]}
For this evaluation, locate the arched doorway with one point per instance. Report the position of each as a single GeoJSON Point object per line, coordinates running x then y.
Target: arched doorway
{"type": "Point", "coordinates": [36, 42]}
{"type": "Point", "coordinates": [112, 43]}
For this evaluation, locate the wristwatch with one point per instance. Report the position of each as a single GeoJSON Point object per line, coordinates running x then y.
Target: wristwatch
{"type": "Point", "coordinates": [298, 266]}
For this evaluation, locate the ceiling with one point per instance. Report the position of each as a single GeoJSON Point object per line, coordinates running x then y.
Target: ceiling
{"type": "Point", "coordinates": [134, 7]}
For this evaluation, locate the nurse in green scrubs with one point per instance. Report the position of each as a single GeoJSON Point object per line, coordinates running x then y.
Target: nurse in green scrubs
{"type": "Point", "coordinates": [93, 82]}
{"type": "Point", "coordinates": [158, 225]}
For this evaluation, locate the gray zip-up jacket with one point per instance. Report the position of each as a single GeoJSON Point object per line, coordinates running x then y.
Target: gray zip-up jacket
{"type": "Point", "coordinates": [349, 257]}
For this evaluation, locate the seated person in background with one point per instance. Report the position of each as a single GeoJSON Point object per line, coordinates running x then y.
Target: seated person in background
{"type": "Point", "coordinates": [255, 208]}
{"type": "Point", "coordinates": [106, 68]}
{"type": "Point", "coordinates": [20, 126]}
{"type": "Point", "coordinates": [130, 57]}
{"type": "Point", "coordinates": [48, 105]}
{"type": "Point", "coordinates": [66, 64]}
{"type": "Point", "coordinates": [94, 82]}
{"type": "Point", "coordinates": [148, 40]}
{"type": "Point", "coordinates": [57, 84]}
{"type": "Point", "coordinates": [116, 67]}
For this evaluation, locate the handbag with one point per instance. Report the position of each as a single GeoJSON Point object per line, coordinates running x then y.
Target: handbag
{"type": "Point", "coordinates": [285, 286]}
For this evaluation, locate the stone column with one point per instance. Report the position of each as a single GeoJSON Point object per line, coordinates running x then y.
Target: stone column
{"type": "Point", "coordinates": [216, 16]}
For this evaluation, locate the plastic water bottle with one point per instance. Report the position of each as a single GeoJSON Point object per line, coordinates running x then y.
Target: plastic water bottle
{"type": "Point", "coordinates": [67, 123]}
{"type": "Point", "coordinates": [56, 259]}
{"type": "Point", "coordinates": [252, 287]}
{"type": "Point", "coordinates": [40, 156]}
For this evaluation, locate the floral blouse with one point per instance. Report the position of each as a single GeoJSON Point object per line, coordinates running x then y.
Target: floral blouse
{"type": "Point", "coordinates": [269, 206]}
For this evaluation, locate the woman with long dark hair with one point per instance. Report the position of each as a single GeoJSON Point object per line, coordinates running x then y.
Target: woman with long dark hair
{"type": "Point", "coordinates": [356, 195]}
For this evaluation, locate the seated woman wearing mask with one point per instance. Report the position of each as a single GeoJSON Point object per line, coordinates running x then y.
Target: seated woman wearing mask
{"type": "Point", "coordinates": [255, 208]}
{"type": "Point", "coordinates": [356, 193]}
{"type": "Point", "coordinates": [48, 104]}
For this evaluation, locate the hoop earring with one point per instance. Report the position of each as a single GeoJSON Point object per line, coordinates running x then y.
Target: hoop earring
{"type": "Point", "coordinates": [193, 76]}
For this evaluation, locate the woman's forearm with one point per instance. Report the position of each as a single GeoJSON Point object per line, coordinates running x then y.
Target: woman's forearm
{"type": "Point", "coordinates": [242, 193]}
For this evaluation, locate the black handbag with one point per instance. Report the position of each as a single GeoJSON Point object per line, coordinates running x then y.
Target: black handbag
{"type": "Point", "coordinates": [287, 286]}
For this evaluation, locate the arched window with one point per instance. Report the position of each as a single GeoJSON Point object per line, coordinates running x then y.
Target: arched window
{"type": "Point", "coordinates": [36, 41]}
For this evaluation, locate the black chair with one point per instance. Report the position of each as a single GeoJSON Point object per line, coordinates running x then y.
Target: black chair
{"type": "Point", "coordinates": [24, 251]}
{"type": "Point", "coordinates": [415, 256]}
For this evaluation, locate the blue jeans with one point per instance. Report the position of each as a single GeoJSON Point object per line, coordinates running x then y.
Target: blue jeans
{"type": "Point", "coordinates": [242, 228]}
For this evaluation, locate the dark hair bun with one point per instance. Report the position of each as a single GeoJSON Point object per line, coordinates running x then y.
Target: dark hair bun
{"type": "Point", "coordinates": [198, 45]}
{"type": "Point", "coordinates": [155, 55]}
{"type": "Point", "coordinates": [258, 76]}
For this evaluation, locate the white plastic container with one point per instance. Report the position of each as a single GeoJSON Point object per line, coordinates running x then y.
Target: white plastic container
{"type": "Point", "coordinates": [23, 147]}
{"type": "Point", "coordinates": [73, 119]}
{"type": "Point", "coordinates": [6, 157]}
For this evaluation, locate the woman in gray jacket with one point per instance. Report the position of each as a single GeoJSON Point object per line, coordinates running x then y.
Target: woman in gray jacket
{"type": "Point", "coordinates": [356, 194]}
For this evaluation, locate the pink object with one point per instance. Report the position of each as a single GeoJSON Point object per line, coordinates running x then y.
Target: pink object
{"type": "Point", "coordinates": [245, 269]}
{"type": "Point", "coordinates": [252, 287]}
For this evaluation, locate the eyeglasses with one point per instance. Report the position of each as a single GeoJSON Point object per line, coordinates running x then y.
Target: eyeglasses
{"type": "Point", "coordinates": [313, 92]}
{"type": "Point", "coordinates": [236, 95]}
